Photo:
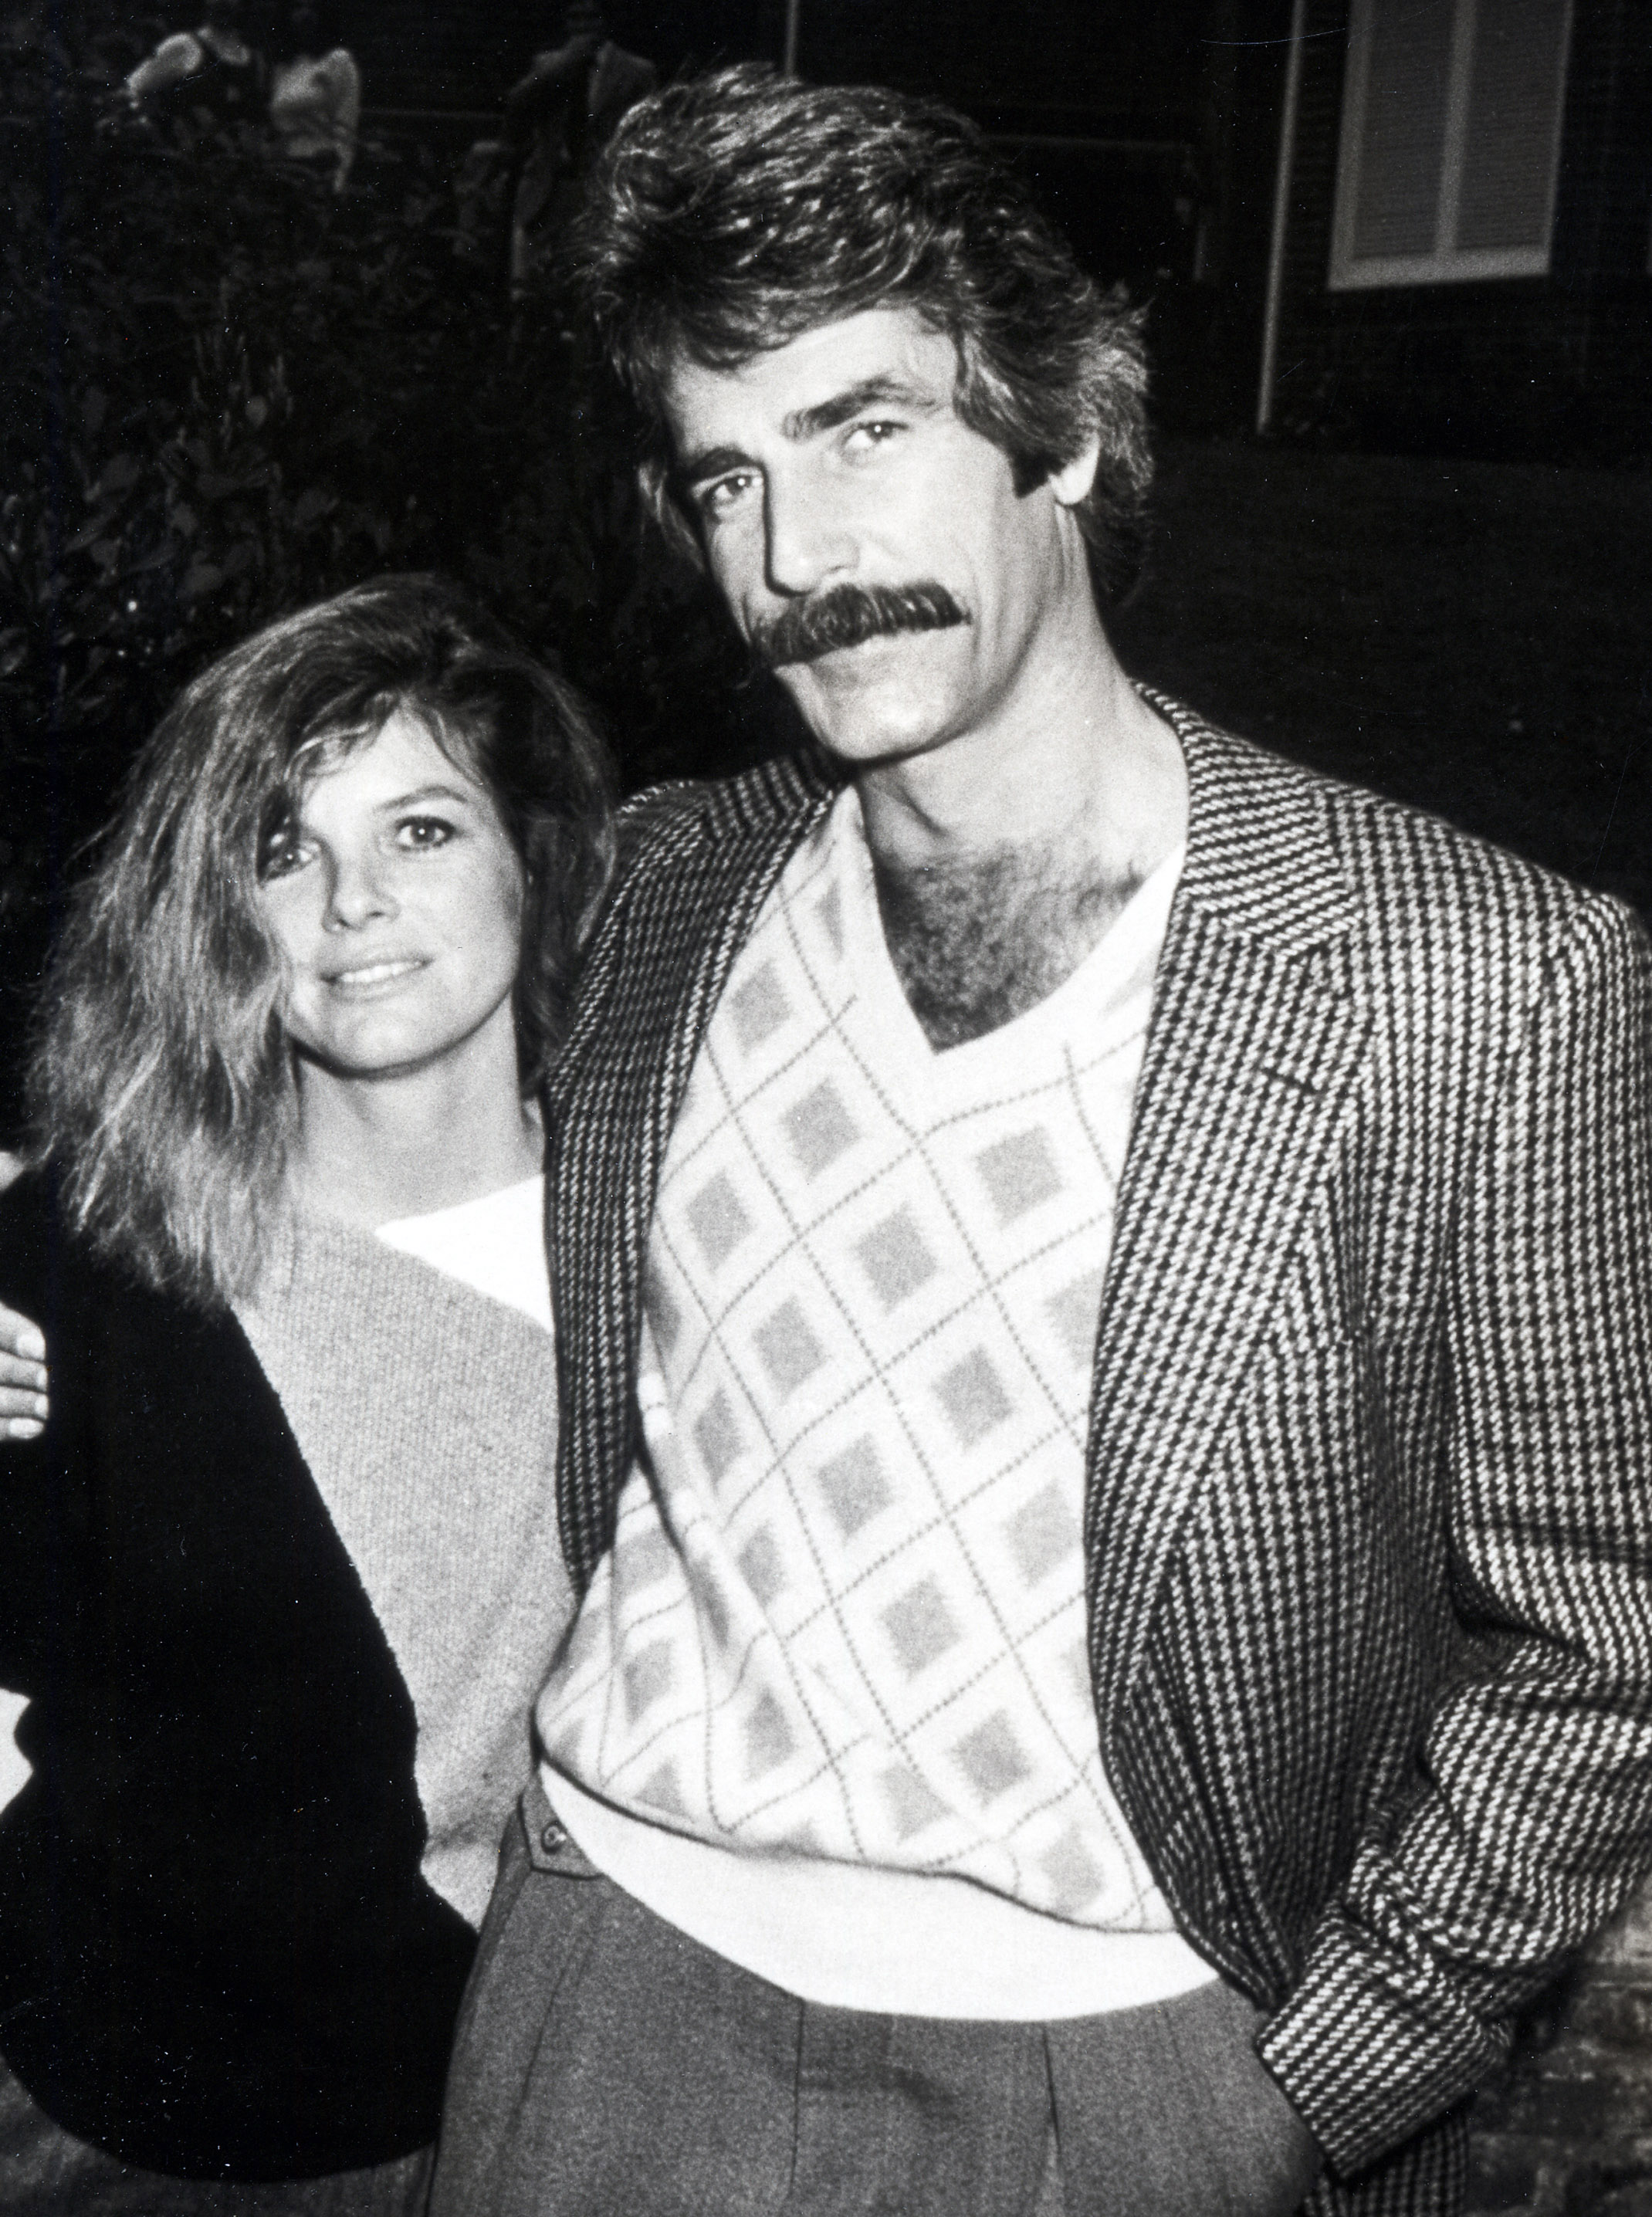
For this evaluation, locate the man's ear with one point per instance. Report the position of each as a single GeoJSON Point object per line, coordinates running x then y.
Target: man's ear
{"type": "Point", "coordinates": [1071, 483]}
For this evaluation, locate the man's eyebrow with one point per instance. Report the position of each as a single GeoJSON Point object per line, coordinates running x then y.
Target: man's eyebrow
{"type": "Point", "coordinates": [806, 423]}
{"type": "Point", "coordinates": [826, 415]}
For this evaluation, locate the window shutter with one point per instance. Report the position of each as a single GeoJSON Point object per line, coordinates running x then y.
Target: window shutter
{"type": "Point", "coordinates": [1402, 143]}
{"type": "Point", "coordinates": [1508, 152]}
{"type": "Point", "coordinates": [1451, 140]}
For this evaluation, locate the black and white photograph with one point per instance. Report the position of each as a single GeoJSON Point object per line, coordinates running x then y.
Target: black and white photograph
{"type": "Point", "coordinates": [825, 1108]}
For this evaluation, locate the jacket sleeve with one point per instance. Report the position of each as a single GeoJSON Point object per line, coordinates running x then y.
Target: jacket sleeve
{"type": "Point", "coordinates": [1537, 1819]}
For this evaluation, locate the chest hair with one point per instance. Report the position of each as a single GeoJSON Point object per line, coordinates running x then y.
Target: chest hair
{"type": "Point", "coordinates": [977, 944]}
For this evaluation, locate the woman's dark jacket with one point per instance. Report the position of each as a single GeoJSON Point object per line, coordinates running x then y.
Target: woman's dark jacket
{"type": "Point", "coordinates": [217, 1956]}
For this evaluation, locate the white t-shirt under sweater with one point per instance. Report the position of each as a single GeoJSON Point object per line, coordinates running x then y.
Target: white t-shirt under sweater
{"type": "Point", "coordinates": [417, 1370]}
{"type": "Point", "coordinates": [826, 1707]}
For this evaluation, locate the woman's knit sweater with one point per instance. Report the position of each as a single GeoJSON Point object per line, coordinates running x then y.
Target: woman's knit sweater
{"type": "Point", "coordinates": [427, 1415]}
{"type": "Point", "coordinates": [254, 1749]}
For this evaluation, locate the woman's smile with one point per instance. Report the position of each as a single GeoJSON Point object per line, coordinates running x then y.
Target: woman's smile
{"type": "Point", "coordinates": [396, 899]}
{"type": "Point", "coordinates": [373, 976]}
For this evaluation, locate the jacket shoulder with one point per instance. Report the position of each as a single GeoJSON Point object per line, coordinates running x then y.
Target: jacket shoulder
{"type": "Point", "coordinates": [1419, 879]}
{"type": "Point", "coordinates": [680, 819]}
{"type": "Point", "coordinates": [1410, 878]}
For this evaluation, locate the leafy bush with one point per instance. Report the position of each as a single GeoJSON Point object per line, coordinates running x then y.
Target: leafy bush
{"type": "Point", "coordinates": [225, 391]}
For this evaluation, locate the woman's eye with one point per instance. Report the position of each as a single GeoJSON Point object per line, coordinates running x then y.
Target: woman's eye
{"type": "Point", "coordinates": [419, 833]}
{"type": "Point", "coordinates": [281, 855]}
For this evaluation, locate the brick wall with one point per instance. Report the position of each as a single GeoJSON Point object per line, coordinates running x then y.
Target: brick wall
{"type": "Point", "coordinates": [1556, 368]}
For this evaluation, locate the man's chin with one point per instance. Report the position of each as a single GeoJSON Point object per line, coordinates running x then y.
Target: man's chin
{"type": "Point", "coordinates": [860, 714]}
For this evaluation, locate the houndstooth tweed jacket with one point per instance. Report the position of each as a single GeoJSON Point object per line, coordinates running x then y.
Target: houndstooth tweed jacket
{"type": "Point", "coordinates": [1369, 1522]}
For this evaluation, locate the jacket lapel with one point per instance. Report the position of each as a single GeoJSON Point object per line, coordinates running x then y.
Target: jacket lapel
{"type": "Point", "coordinates": [1256, 1038]}
{"type": "Point", "coordinates": [700, 865]}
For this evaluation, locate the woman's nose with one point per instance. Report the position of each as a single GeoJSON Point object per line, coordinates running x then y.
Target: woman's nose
{"type": "Point", "coordinates": [357, 892]}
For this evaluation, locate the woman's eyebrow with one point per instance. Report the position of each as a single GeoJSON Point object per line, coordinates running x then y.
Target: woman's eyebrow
{"type": "Point", "coordinates": [423, 792]}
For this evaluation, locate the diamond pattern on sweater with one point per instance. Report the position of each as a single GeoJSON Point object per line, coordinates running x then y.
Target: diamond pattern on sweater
{"type": "Point", "coordinates": [1073, 1871]}
{"type": "Point", "coordinates": [717, 1220]}
{"type": "Point", "coordinates": [895, 1259]}
{"type": "Point", "coordinates": [854, 1486]}
{"type": "Point", "coordinates": [1074, 1312]}
{"type": "Point", "coordinates": [762, 1566]}
{"type": "Point", "coordinates": [648, 1674]}
{"type": "Point", "coordinates": [717, 1435]}
{"type": "Point", "coordinates": [710, 1609]}
{"type": "Point", "coordinates": [914, 1804]}
{"type": "Point", "coordinates": [760, 1007]}
{"type": "Point", "coordinates": [921, 1628]}
{"type": "Point", "coordinates": [647, 1558]}
{"type": "Point", "coordinates": [820, 1128]}
{"type": "Point", "coordinates": [1041, 1533]}
{"type": "Point", "coordinates": [1019, 1173]}
{"type": "Point", "coordinates": [972, 1395]}
{"type": "Point", "coordinates": [661, 1791]}
{"type": "Point", "coordinates": [992, 1758]}
{"type": "Point", "coordinates": [769, 1740]}
{"type": "Point", "coordinates": [789, 1350]}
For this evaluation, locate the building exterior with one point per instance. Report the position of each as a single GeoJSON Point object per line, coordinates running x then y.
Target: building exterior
{"type": "Point", "coordinates": [1462, 263]}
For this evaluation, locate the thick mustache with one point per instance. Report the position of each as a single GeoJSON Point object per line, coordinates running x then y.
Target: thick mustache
{"type": "Point", "coordinates": [848, 615]}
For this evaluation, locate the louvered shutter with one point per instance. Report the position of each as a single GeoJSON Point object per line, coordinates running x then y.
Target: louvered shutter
{"type": "Point", "coordinates": [1451, 134]}
{"type": "Point", "coordinates": [1402, 135]}
{"type": "Point", "coordinates": [1514, 111]}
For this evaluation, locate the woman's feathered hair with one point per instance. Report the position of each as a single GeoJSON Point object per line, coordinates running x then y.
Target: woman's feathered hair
{"type": "Point", "coordinates": [162, 1085]}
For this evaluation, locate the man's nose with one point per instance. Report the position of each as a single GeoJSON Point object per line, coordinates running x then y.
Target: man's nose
{"type": "Point", "coordinates": [357, 892]}
{"type": "Point", "coordinates": [808, 542]}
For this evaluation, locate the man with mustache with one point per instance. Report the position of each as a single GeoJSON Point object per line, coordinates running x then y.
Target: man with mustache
{"type": "Point", "coordinates": [1102, 1286]}
{"type": "Point", "coordinates": [1103, 1294]}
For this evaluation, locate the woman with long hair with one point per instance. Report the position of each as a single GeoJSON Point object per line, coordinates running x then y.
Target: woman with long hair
{"type": "Point", "coordinates": [280, 1627]}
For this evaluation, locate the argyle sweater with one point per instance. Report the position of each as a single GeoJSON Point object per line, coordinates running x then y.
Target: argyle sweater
{"type": "Point", "coordinates": [847, 1604]}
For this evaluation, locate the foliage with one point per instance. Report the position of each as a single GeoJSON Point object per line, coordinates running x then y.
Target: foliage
{"type": "Point", "coordinates": [225, 391]}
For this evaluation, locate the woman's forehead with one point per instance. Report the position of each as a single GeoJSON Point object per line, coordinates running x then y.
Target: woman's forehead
{"type": "Point", "coordinates": [406, 753]}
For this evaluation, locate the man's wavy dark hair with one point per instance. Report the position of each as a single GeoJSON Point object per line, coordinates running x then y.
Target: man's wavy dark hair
{"type": "Point", "coordinates": [733, 211]}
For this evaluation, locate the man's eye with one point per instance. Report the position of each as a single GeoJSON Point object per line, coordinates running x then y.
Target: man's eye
{"type": "Point", "coordinates": [866, 438]}
{"type": "Point", "coordinates": [419, 833]}
{"type": "Point", "coordinates": [723, 494]}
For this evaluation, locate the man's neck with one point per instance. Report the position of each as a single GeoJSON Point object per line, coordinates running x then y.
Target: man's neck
{"type": "Point", "coordinates": [1002, 857]}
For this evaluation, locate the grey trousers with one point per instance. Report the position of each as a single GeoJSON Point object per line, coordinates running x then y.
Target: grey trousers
{"type": "Point", "coordinates": [607, 2066]}
{"type": "Point", "coordinates": [45, 2172]}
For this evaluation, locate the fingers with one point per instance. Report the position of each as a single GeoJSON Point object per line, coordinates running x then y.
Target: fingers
{"type": "Point", "coordinates": [22, 1378]}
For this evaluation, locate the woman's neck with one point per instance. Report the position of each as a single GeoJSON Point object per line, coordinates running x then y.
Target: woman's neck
{"type": "Point", "coordinates": [370, 1149]}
